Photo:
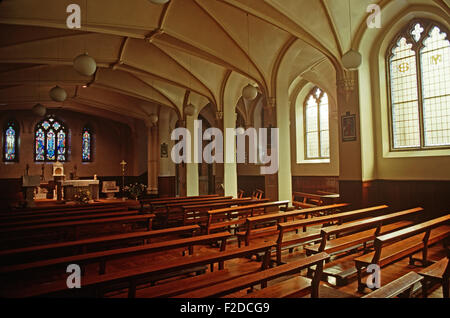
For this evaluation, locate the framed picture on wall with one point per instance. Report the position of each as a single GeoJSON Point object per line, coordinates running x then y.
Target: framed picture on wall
{"type": "Point", "coordinates": [164, 150]}
{"type": "Point", "coordinates": [348, 124]}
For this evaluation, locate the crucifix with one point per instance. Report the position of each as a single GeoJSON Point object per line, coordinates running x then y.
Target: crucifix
{"type": "Point", "coordinates": [123, 164]}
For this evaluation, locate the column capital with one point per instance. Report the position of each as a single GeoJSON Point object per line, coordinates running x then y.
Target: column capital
{"type": "Point", "coordinates": [271, 103]}
{"type": "Point", "coordinates": [347, 82]}
{"type": "Point", "coordinates": [219, 115]}
{"type": "Point", "coordinates": [181, 123]}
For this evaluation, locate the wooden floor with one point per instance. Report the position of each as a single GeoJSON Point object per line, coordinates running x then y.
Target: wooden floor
{"type": "Point", "coordinates": [327, 290]}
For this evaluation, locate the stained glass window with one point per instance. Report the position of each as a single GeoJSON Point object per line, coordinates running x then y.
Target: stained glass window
{"type": "Point", "coordinates": [11, 142]}
{"type": "Point", "coordinates": [419, 73]}
{"type": "Point", "coordinates": [50, 140]}
{"type": "Point", "coordinates": [316, 125]}
{"type": "Point", "coordinates": [86, 145]}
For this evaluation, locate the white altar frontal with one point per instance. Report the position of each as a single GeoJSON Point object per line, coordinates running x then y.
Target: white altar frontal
{"type": "Point", "coordinates": [72, 186]}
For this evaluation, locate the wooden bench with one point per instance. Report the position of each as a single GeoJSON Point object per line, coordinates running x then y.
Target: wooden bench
{"type": "Point", "coordinates": [352, 235]}
{"type": "Point", "coordinates": [156, 206]}
{"type": "Point", "coordinates": [130, 279]}
{"type": "Point", "coordinates": [233, 217]}
{"type": "Point", "coordinates": [56, 214]}
{"type": "Point", "coordinates": [12, 234]}
{"type": "Point", "coordinates": [173, 199]}
{"type": "Point", "coordinates": [290, 288]}
{"type": "Point", "coordinates": [402, 287]}
{"type": "Point", "coordinates": [39, 252]}
{"type": "Point", "coordinates": [439, 272]}
{"type": "Point", "coordinates": [64, 218]}
{"type": "Point", "coordinates": [377, 226]}
{"type": "Point", "coordinates": [302, 239]}
{"type": "Point", "coordinates": [198, 214]}
{"type": "Point", "coordinates": [174, 213]}
{"type": "Point", "coordinates": [62, 208]}
{"type": "Point", "coordinates": [104, 256]}
{"type": "Point", "coordinates": [265, 225]}
{"type": "Point", "coordinates": [308, 200]}
{"type": "Point", "coordinates": [394, 246]}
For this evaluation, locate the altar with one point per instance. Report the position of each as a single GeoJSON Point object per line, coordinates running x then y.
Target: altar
{"type": "Point", "coordinates": [71, 187]}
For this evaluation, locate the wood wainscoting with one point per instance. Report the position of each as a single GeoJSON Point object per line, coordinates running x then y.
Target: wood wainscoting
{"type": "Point", "coordinates": [433, 196]}
{"type": "Point", "coordinates": [166, 186]}
{"type": "Point", "coordinates": [312, 184]}
{"type": "Point", "coordinates": [251, 183]}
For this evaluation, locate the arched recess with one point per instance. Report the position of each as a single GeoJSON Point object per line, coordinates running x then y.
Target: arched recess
{"type": "Point", "coordinates": [301, 166]}
{"type": "Point", "coordinates": [378, 161]}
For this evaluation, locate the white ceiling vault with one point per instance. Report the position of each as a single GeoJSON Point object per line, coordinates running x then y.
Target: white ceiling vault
{"type": "Point", "coordinates": [168, 54]}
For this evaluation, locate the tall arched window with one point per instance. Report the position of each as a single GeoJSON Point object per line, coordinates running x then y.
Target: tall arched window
{"type": "Point", "coordinates": [50, 140]}
{"type": "Point", "coordinates": [11, 142]}
{"type": "Point", "coordinates": [317, 133]}
{"type": "Point", "coordinates": [86, 144]}
{"type": "Point", "coordinates": [419, 79]}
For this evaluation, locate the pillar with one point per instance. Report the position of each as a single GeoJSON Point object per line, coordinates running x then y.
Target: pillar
{"type": "Point", "coordinates": [152, 157]}
{"type": "Point", "coordinates": [192, 167]}
{"type": "Point", "coordinates": [230, 167]}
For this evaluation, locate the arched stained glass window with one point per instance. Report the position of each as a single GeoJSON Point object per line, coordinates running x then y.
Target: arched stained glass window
{"type": "Point", "coordinates": [317, 134]}
{"type": "Point", "coordinates": [50, 140]}
{"type": "Point", "coordinates": [86, 145]}
{"type": "Point", "coordinates": [11, 142]}
{"type": "Point", "coordinates": [419, 79]}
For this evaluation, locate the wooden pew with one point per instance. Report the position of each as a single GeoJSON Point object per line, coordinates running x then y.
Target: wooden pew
{"type": "Point", "coordinates": [39, 252]}
{"type": "Point", "coordinates": [284, 242]}
{"type": "Point", "coordinates": [59, 214]}
{"type": "Point", "coordinates": [12, 234]}
{"type": "Point", "coordinates": [439, 272]}
{"type": "Point", "coordinates": [174, 212]}
{"type": "Point", "coordinates": [394, 246]}
{"type": "Point", "coordinates": [402, 287]}
{"type": "Point", "coordinates": [84, 216]}
{"type": "Point", "coordinates": [97, 285]}
{"type": "Point", "coordinates": [105, 256]}
{"type": "Point", "coordinates": [174, 199]}
{"type": "Point", "coordinates": [265, 225]}
{"type": "Point", "coordinates": [352, 235]}
{"type": "Point", "coordinates": [236, 216]}
{"type": "Point", "coordinates": [198, 214]}
{"type": "Point", "coordinates": [303, 200]}
{"type": "Point", "coordinates": [376, 226]}
{"type": "Point", "coordinates": [154, 206]}
{"type": "Point", "coordinates": [62, 208]}
{"type": "Point", "coordinates": [293, 287]}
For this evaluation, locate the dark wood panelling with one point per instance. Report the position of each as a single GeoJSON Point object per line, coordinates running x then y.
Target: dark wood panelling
{"type": "Point", "coordinates": [251, 183]}
{"type": "Point", "coordinates": [433, 196]}
{"type": "Point", "coordinates": [10, 193]}
{"type": "Point", "coordinates": [312, 184]}
{"type": "Point", "coordinates": [166, 186]}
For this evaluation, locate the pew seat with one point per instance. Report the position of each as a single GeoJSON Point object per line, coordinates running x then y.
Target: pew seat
{"type": "Point", "coordinates": [394, 246]}
{"type": "Point", "coordinates": [402, 287]}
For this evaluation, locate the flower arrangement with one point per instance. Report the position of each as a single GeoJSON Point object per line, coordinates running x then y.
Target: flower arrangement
{"type": "Point", "coordinates": [136, 190]}
{"type": "Point", "coordinates": [82, 196]}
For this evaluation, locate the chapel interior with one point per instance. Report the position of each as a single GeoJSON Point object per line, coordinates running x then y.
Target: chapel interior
{"type": "Point", "coordinates": [138, 137]}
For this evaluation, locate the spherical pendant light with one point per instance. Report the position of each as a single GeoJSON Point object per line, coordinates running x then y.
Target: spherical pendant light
{"type": "Point", "coordinates": [58, 94]}
{"type": "Point", "coordinates": [351, 60]}
{"type": "Point", "coordinates": [85, 64]}
{"type": "Point", "coordinates": [159, 1]}
{"type": "Point", "coordinates": [153, 118]}
{"type": "Point", "coordinates": [249, 92]}
{"type": "Point", "coordinates": [39, 110]}
{"type": "Point", "coordinates": [189, 110]}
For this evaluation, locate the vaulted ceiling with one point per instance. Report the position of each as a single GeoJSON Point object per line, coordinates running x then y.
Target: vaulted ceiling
{"type": "Point", "coordinates": [154, 57]}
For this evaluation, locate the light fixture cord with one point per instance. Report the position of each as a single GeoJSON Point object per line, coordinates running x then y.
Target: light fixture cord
{"type": "Point", "coordinates": [248, 45]}
{"type": "Point", "coordinates": [350, 19]}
